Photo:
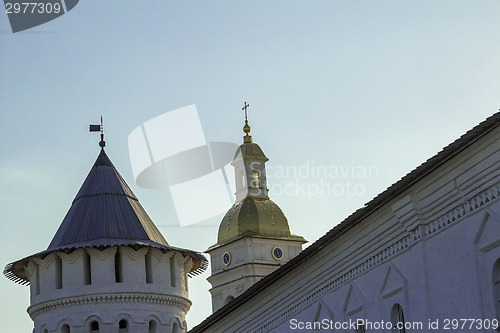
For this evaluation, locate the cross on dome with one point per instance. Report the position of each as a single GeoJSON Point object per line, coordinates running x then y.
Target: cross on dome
{"type": "Point", "coordinates": [247, 138]}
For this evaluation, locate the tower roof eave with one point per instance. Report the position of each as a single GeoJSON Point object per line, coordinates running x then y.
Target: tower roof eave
{"type": "Point", "coordinates": [15, 270]}
{"type": "Point", "coordinates": [105, 213]}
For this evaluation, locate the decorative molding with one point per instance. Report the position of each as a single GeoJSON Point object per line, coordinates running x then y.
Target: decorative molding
{"type": "Point", "coordinates": [321, 308]}
{"type": "Point", "coordinates": [71, 257]}
{"type": "Point", "coordinates": [488, 234]}
{"type": "Point", "coordinates": [462, 210]}
{"type": "Point", "coordinates": [418, 234]}
{"type": "Point", "coordinates": [179, 259]}
{"type": "Point", "coordinates": [407, 212]}
{"type": "Point", "coordinates": [134, 255]}
{"type": "Point", "coordinates": [161, 300]}
{"type": "Point", "coordinates": [394, 282]}
{"type": "Point", "coordinates": [47, 261]}
{"type": "Point", "coordinates": [354, 300]}
{"type": "Point", "coordinates": [102, 255]}
{"type": "Point", "coordinates": [29, 268]}
{"type": "Point", "coordinates": [159, 255]}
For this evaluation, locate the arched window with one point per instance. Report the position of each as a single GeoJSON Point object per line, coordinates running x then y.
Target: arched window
{"type": "Point", "coordinates": [45, 330]}
{"type": "Point", "coordinates": [256, 179]}
{"type": "Point", "coordinates": [228, 299]}
{"type": "Point", "coordinates": [496, 287]}
{"type": "Point", "coordinates": [397, 319]}
{"type": "Point", "coordinates": [175, 328]}
{"type": "Point", "coordinates": [152, 326]}
{"type": "Point", "coordinates": [94, 326]}
{"type": "Point", "coordinates": [65, 329]}
{"type": "Point", "coordinates": [123, 326]}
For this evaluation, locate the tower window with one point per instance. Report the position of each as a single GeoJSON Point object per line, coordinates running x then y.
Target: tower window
{"type": "Point", "coordinates": [175, 328]}
{"type": "Point", "coordinates": [256, 178]}
{"type": "Point", "coordinates": [118, 267]}
{"type": "Point", "coordinates": [152, 326]}
{"type": "Point", "coordinates": [87, 269]}
{"type": "Point", "coordinates": [123, 326]}
{"type": "Point", "coordinates": [94, 326]}
{"type": "Point", "coordinates": [397, 319]}
{"type": "Point", "coordinates": [172, 271]}
{"type": "Point", "coordinates": [149, 267]}
{"type": "Point", "coordinates": [58, 272]}
{"type": "Point", "coordinates": [65, 329]}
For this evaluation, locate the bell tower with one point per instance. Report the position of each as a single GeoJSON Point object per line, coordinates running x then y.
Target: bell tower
{"type": "Point", "coordinates": [254, 237]}
{"type": "Point", "coordinates": [108, 268]}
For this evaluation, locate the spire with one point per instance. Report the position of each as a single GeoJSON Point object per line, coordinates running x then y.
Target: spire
{"type": "Point", "coordinates": [247, 138]}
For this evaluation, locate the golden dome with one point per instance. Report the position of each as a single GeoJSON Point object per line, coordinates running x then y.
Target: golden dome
{"type": "Point", "coordinates": [254, 217]}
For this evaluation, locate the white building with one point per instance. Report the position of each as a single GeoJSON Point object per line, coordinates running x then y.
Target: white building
{"type": "Point", "coordinates": [108, 268]}
{"type": "Point", "coordinates": [424, 253]}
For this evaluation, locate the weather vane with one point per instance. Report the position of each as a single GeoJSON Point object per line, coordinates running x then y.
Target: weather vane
{"type": "Point", "coordinates": [99, 128]}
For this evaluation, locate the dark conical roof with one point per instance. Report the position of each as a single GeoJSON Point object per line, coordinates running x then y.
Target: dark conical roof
{"type": "Point", "coordinates": [104, 213]}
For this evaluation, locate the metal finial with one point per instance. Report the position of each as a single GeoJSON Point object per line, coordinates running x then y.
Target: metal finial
{"type": "Point", "coordinates": [102, 143]}
{"type": "Point", "coordinates": [97, 128]}
{"type": "Point", "coordinates": [246, 128]}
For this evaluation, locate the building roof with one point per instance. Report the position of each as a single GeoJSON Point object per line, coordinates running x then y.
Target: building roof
{"type": "Point", "coordinates": [250, 150]}
{"type": "Point", "coordinates": [254, 217]}
{"type": "Point", "coordinates": [411, 178]}
{"type": "Point", "coordinates": [105, 213]}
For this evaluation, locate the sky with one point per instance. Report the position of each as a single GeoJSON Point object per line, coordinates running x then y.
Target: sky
{"type": "Point", "coordinates": [366, 90]}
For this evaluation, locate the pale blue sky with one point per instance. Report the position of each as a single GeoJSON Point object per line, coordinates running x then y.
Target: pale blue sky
{"type": "Point", "coordinates": [382, 84]}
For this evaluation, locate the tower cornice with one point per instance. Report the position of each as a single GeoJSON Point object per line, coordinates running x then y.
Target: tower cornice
{"type": "Point", "coordinates": [179, 302]}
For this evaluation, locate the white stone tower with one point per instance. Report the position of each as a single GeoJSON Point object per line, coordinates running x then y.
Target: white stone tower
{"type": "Point", "coordinates": [108, 268]}
{"type": "Point", "coordinates": [254, 237]}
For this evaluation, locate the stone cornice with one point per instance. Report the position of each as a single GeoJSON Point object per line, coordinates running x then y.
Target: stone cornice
{"type": "Point", "coordinates": [158, 299]}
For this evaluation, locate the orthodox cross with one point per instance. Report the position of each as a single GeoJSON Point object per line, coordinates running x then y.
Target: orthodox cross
{"type": "Point", "coordinates": [244, 108]}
